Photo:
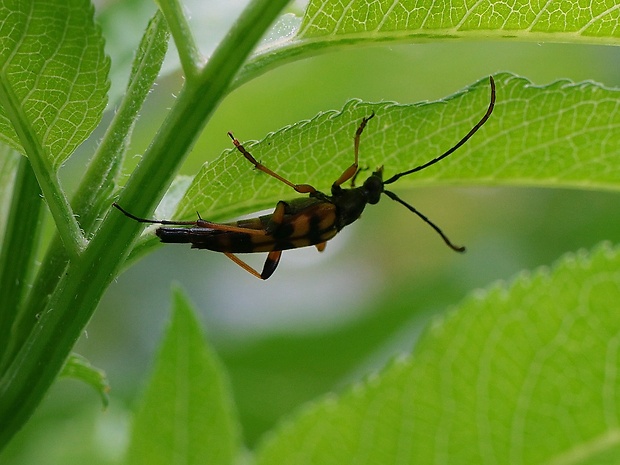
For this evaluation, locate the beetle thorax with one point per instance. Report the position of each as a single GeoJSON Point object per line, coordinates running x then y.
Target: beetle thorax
{"type": "Point", "coordinates": [351, 202]}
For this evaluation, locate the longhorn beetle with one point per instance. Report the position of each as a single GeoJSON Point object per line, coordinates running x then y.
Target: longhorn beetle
{"type": "Point", "coordinates": [301, 222]}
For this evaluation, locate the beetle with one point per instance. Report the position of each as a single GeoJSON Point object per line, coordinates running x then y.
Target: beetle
{"type": "Point", "coordinates": [301, 222]}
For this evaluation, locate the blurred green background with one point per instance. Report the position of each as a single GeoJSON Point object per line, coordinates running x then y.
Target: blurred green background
{"type": "Point", "coordinates": [323, 320]}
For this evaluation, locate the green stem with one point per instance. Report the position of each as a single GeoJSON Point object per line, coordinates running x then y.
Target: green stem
{"type": "Point", "coordinates": [189, 54]}
{"type": "Point", "coordinates": [42, 355]}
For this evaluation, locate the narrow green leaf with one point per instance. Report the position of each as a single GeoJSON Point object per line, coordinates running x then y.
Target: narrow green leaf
{"type": "Point", "coordinates": [122, 26]}
{"type": "Point", "coordinates": [187, 414]}
{"type": "Point", "coordinates": [554, 136]}
{"type": "Point", "coordinates": [54, 65]}
{"type": "Point", "coordinates": [525, 373]}
{"type": "Point", "coordinates": [9, 162]}
{"type": "Point", "coordinates": [79, 368]}
{"type": "Point", "coordinates": [18, 250]}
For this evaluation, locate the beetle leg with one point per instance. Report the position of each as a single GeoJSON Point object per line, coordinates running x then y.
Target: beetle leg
{"type": "Point", "coordinates": [351, 171]}
{"type": "Point", "coordinates": [276, 217]}
{"type": "Point", "coordinates": [301, 188]}
{"type": "Point", "coordinates": [229, 228]}
{"type": "Point", "coordinates": [243, 264]}
{"type": "Point", "coordinates": [320, 247]}
{"type": "Point", "coordinates": [273, 258]}
{"type": "Point", "coordinates": [354, 178]}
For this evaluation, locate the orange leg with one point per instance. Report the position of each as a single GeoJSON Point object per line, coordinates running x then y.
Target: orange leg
{"type": "Point", "coordinates": [229, 227]}
{"type": "Point", "coordinates": [273, 258]}
{"type": "Point", "coordinates": [276, 217]}
{"type": "Point", "coordinates": [301, 188]}
{"type": "Point", "coordinates": [352, 170]}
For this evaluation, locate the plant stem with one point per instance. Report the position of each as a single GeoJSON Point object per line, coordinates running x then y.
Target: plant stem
{"type": "Point", "coordinates": [189, 54]}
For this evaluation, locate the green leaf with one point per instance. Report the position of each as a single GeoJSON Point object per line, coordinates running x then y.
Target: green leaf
{"type": "Point", "coordinates": [557, 135]}
{"type": "Point", "coordinates": [53, 85]}
{"type": "Point", "coordinates": [53, 77]}
{"type": "Point", "coordinates": [525, 373]}
{"type": "Point", "coordinates": [79, 368]}
{"type": "Point", "coordinates": [387, 18]}
{"type": "Point", "coordinates": [18, 249]}
{"type": "Point", "coordinates": [187, 414]}
{"type": "Point", "coordinates": [328, 25]}
{"type": "Point", "coordinates": [9, 162]}
{"type": "Point", "coordinates": [122, 24]}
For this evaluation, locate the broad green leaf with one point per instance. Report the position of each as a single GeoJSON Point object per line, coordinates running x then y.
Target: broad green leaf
{"type": "Point", "coordinates": [53, 75]}
{"type": "Point", "coordinates": [560, 135]}
{"type": "Point", "coordinates": [79, 368]}
{"type": "Point", "coordinates": [328, 25]}
{"type": "Point", "coordinates": [187, 415]}
{"type": "Point", "coordinates": [519, 373]}
{"type": "Point", "coordinates": [389, 18]}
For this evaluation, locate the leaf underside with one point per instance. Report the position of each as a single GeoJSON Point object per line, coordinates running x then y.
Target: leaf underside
{"type": "Point", "coordinates": [54, 65]}
{"type": "Point", "coordinates": [389, 17]}
{"type": "Point", "coordinates": [559, 135]}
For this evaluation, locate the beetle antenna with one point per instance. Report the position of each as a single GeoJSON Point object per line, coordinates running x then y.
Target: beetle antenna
{"type": "Point", "coordinates": [146, 220]}
{"type": "Point", "coordinates": [459, 143]}
{"type": "Point", "coordinates": [456, 248]}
